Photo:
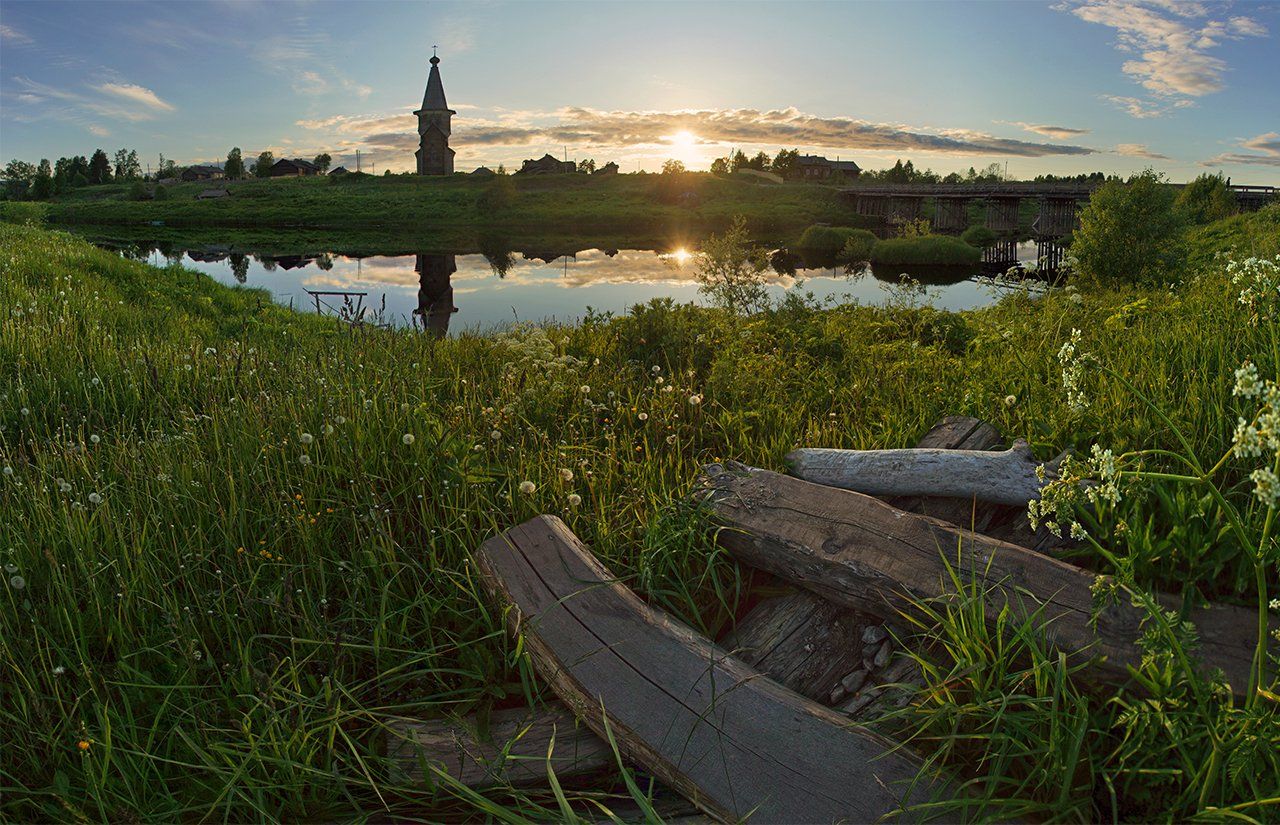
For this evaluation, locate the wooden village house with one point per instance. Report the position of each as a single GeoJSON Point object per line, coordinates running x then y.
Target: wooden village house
{"type": "Point", "coordinates": [202, 172]}
{"type": "Point", "coordinates": [816, 167]}
{"type": "Point", "coordinates": [296, 167]}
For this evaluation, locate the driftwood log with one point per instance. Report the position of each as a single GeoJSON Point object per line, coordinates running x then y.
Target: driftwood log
{"type": "Point", "coordinates": [826, 651]}
{"type": "Point", "coordinates": [860, 552]}
{"type": "Point", "coordinates": [1001, 477]}
{"type": "Point", "coordinates": [733, 742]}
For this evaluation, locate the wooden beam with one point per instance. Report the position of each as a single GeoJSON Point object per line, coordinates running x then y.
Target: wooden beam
{"type": "Point", "coordinates": [860, 552]}
{"type": "Point", "coordinates": [513, 749]}
{"type": "Point", "coordinates": [730, 740]}
{"type": "Point", "coordinates": [812, 645]}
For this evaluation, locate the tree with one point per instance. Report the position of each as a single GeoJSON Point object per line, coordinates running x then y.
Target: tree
{"type": "Point", "coordinates": [720, 166]}
{"type": "Point", "coordinates": [167, 169]}
{"type": "Point", "coordinates": [738, 161]}
{"type": "Point", "coordinates": [760, 162]}
{"type": "Point", "coordinates": [784, 163]}
{"type": "Point", "coordinates": [18, 175]}
{"type": "Point", "coordinates": [262, 166]}
{"type": "Point", "coordinates": [731, 270]}
{"type": "Point", "coordinates": [79, 171]}
{"type": "Point", "coordinates": [1130, 233]}
{"type": "Point", "coordinates": [42, 185]}
{"type": "Point", "coordinates": [99, 168]}
{"type": "Point", "coordinates": [240, 265]}
{"type": "Point", "coordinates": [322, 162]}
{"type": "Point", "coordinates": [671, 166]}
{"type": "Point", "coordinates": [234, 167]}
{"type": "Point", "coordinates": [588, 165]}
{"type": "Point", "coordinates": [127, 166]}
{"type": "Point", "coordinates": [1206, 199]}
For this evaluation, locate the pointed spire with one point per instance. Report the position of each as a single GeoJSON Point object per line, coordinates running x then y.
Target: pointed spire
{"type": "Point", "coordinates": [434, 98]}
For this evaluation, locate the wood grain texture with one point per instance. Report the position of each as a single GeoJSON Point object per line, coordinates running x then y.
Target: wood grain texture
{"type": "Point", "coordinates": [709, 726]}
{"type": "Point", "coordinates": [999, 476]}
{"type": "Point", "coordinates": [513, 750]}
{"type": "Point", "coordinates": [859, 551]}
{"type": "Point", "coordinates": [810, 644]}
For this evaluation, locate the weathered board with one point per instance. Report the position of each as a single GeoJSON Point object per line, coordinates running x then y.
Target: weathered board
{"type": "Point", "coordinates": [810, 644]}
{"type": "Point", "coordinates": [513, 749]}
{"type": "Point", "coordinates": [707, 725]}
{"type": "Point", "coordinates": [861, 552]}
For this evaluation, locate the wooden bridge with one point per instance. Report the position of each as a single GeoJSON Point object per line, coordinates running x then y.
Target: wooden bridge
{"type": "Point", "coordinates": [1057, 202]}
{"type": "Point", "coordinates": [1056, 216]}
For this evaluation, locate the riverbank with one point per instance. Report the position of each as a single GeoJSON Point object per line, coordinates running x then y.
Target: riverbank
{"type": "Point", "coordinates": [237, 539]}
{"type": "Point", "coordinates": [422, 204]}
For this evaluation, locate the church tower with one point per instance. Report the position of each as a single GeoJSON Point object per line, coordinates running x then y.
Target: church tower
{"type": "Point", "coordinates": [434, 155]}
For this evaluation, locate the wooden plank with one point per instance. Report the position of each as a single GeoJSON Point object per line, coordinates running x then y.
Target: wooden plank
{"type": "Point", "coordinates": [812, 645]}
{"type": "Point", "coordinates": [513, 750]}
{"type": "Point", "coordinates": [861, 552]}
{"type": "Point", "coordinates": [730, 740]}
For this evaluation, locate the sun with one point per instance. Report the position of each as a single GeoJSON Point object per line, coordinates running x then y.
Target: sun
{"type": "Point", "coordinates": [683, 139]}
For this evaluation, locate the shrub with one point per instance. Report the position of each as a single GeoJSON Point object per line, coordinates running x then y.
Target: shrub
{"type": "Point", "coordinates": [731, 270]}
{"type": "Point", "coordinates": [857, 246]}
{"type": "Point", "coordinates": [926, 250]}
{"type": "Point", "coordinates": [1130, 233]}
{"type": "Point", "coordinates": [1206, 199]}
{"type": "Point", "coordinates": [831, 239]}
{"type": "Point", "coordinates": [978, 236]}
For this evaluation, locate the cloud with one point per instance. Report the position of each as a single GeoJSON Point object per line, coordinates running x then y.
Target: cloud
{"type": "Point", "coordinates": [590, 129]}
{"type": "Point", "coordinates": [1168, 41]}
{"type": "Point", "coordinates": [1055, 132]}
{"type": "Point", "coordinates": [118, 101]}
{"type": "Point", "coordinates": [1138, 150]}
{"type": "Point", "coordinates": [1144, 109]}
{"type": "Point", "coordinates": [136, 94]}
{"type": "Point", "coordinates": [13, 37]}
{"type": "Point", "coordinates": [100, 131]}
{"type": "Point", "coordinates": [1264, 150]}
{"type": "Point", "coordinates": [310, 83]}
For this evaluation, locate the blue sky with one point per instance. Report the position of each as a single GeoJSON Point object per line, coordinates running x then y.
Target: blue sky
{"type": "Point", "coordinates": [1060, 87]}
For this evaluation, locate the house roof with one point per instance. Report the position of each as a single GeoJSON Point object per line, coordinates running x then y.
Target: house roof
{"type": "Point", "coordinates": [434, 98]}
{"type": "Point", "coordinates": [819, 160]}
{"type": "Point", "coordinates": [202, 167]}
{"type": "Point", "coordinates": [305, 164]}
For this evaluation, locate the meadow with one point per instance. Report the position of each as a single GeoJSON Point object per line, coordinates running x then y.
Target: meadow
{"type": "Point", "coordinates": [412, 202]}
{"type": "Point", "coordinates": [236, 539]}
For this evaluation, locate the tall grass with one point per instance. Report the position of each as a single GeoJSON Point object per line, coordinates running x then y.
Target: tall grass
{"type": "Point", "coordinates": [925, 250]}
{"type": "Point", "coordinates": [227, 569]}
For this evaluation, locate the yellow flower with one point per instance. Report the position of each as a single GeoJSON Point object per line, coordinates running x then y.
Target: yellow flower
{"type": "Point", "coordinates": [83, 744]}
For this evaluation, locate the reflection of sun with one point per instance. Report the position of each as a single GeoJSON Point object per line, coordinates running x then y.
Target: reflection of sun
{"type": "Point", "coordinates": [678, 257]}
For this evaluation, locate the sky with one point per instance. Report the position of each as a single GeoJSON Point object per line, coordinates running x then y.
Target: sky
{"type": "Point", "coordinates": [1057, 87]}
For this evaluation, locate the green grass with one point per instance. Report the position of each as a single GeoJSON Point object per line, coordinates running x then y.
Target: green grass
{"type": "Point", "coordinates": [417, 203]}
{"type": "Point", "coordinates": [230, 629]}
{"type": "Point", "coordinates": [925, 250]}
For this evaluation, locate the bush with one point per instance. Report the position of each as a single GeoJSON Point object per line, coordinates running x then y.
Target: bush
{"type": "Point", "coordinates": [1130, 233]}
{"type": "Point", "coordinates": [926, 250]}
{"type": "Point", "coordinates": [138, 191]}
{"type": "Point", "coordinates": [857, 246]}
{"type": "Point", "coordinates": [979, 236]}
{"type": "Point", "coordinates": [830, 239]}
{"type": "Point", "coordinates": [1206, 199]}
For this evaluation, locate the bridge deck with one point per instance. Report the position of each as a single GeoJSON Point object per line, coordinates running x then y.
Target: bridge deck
{"type": "Point", "coordinates": [1074, 191]}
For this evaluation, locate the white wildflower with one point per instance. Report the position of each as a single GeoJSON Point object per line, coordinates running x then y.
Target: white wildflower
{"type": "Point", "coordinates": [1248, 383]}
{"type": "Point", "coordinates": [527, 488]}
{"type": "Point", "coordinates": [306, 438]}
{"type": "Point", "coordinates": [566, 474]}
{"type": "Point", "coordinates": [1265, 486]}
{"type": "Point", "coordinates": [407, 439]}
{"type": "Point", "coordinates": [695, 399]}
{"type": "Point", "coordinates": [574, 499]}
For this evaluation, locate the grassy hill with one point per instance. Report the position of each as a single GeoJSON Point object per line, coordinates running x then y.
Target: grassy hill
{"type": "Point", "coordinates": [414, 202]}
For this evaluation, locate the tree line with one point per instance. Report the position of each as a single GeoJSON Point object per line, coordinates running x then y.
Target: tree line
{"type": "Point", "coordinates": [42, 181]}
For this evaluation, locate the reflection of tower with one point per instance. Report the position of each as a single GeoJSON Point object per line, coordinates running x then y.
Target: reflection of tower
{"type": "Point", "coordinates": [435, 293]}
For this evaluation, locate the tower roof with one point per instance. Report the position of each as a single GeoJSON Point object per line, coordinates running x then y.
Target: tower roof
{"type": "Point", "coordinates": [434, 98]}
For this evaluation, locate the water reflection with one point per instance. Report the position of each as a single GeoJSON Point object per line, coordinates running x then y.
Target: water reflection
{"type": "Point", "coordinates": [494, 283]}
{"type": "Point", "coordinates": [435, 292]}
